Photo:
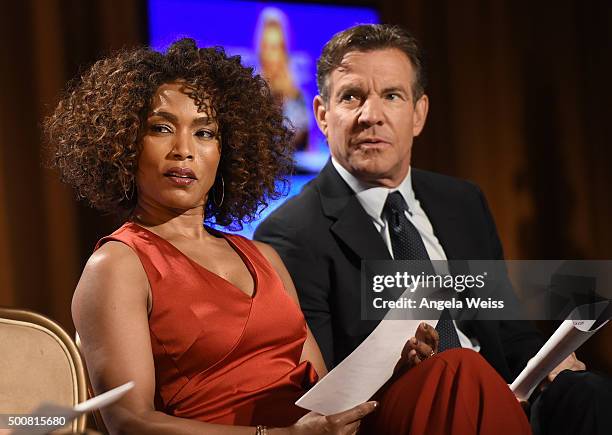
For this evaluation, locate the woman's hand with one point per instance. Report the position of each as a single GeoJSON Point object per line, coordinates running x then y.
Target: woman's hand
{"type": "Point", "coordinates": [344, 423]}
{"type": "Point", "coordinates": [418, 348]}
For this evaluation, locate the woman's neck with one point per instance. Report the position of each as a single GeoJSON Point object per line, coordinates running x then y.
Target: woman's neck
{"type": "Point", "coordinates": [171, 223]}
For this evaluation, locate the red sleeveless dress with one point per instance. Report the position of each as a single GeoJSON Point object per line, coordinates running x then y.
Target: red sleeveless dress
{"type": "Point", "coordinates": [221, 356]}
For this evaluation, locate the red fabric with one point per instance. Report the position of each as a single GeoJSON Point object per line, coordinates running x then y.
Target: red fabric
{"type": "Point", "coordinates": [224, 357]}
{"type": "Point", "coordinates": [221, 356]}
{"type": "Point", "coordinates": [455, 392]}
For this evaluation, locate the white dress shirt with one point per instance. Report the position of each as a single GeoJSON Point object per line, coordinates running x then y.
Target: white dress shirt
{"type": "Point", "coordinates": [373, 198]}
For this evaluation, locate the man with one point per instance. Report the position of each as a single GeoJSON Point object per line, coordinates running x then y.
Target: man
{"type": "Point", "coordinates": [371, 105]}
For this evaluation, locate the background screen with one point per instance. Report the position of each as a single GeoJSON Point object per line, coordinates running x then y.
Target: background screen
{"type": "Point", "coordinates": [282, 41]}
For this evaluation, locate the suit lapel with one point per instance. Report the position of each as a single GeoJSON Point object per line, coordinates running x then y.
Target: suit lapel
{"type": "Point", "coordinates": [443, 219]}
{"type": "Point", "coordinates": [353, 226]}
{"type": "Point", "coordinates": [446, 223]}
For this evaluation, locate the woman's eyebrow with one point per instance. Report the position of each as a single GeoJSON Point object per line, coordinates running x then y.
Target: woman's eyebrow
{"type": "Point", "coordinates": [169, 116]}
{"type": "Point", "coordinates": [202, 120]}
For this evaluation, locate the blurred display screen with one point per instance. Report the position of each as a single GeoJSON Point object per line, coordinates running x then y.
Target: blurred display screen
{"type": "Point", "coordinates": [282, 41]}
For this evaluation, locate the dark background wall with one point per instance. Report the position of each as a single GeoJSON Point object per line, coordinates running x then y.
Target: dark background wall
{"type": "Point", "coordinates": [520, 101]}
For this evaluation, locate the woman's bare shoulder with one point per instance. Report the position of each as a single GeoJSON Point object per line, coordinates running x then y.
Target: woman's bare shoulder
{"type": "Point", "coordinates": [112, 274]}
{"type": "Point", "coordinates": [114, 260]}
{"type": "Point", "coordinates": [269, 253]}
{"type": "Point", "coordinates": [277, 263]}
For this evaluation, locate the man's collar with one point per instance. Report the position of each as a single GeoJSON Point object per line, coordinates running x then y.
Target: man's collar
{"type": "Point", "coordinates": [373, 198]}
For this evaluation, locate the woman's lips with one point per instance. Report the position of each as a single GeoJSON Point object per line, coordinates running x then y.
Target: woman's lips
{"type": "Point", "coordinates": [180, 181]}
{"type": "Point", "coordinates": [180, 176]}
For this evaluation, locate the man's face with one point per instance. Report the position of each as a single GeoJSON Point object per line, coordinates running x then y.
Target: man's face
{"type": "Point", "coordinates": [371, 119]}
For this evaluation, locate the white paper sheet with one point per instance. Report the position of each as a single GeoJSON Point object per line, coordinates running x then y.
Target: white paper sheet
{"type": "Point", "coordinates": [104, 399]}
{"type": "Point", "coordinates": [50, 409]}
{"type": "Point", "coordinates": [364, 371]}
{"type": "Point", "coordinates": [566, 339]}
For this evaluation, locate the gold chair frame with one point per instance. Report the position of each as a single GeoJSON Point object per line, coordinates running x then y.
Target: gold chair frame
{"type": "Point", "coordinates": [30, 319]}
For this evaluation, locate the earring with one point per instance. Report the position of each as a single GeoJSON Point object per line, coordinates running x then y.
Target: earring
{"type": "Point", "coordinates": [129, 191]}
{"type": "Point", "coordinates": [222, 193]}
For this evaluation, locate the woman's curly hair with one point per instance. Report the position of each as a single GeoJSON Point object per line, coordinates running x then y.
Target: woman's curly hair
{"type": "Point", "coordinates": [96, 128]}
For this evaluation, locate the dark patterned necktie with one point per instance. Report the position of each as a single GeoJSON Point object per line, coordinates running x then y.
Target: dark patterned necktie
{"type": "Point", "coordinates": [407, 244]}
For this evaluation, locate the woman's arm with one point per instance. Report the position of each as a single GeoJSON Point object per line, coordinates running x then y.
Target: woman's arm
{"type": "Point", "coordinates": [311, 350]}
{"type": "Point", "coordinates": [109, 310]}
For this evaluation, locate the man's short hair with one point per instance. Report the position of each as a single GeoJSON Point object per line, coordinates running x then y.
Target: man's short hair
{"type": "Point", "coordinates": [369, 37]}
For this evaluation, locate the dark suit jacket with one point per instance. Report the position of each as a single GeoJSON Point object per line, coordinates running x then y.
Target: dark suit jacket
{"type": "Point", "coordinates": [323, 233]}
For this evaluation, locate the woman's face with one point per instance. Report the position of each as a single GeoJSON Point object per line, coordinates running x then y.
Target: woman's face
{"type": "Point", "coordinates": [272, 52]}
{"type": "Point", "coordinates": [180, 152]}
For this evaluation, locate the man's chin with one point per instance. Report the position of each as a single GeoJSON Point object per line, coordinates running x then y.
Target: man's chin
{"type": "Point", "coordinates": [376, 172]}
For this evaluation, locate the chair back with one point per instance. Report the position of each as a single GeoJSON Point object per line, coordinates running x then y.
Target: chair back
{"type": "Point", "coordinates": [39, 362]}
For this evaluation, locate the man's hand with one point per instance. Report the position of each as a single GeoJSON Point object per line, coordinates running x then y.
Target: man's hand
{"type": "Point", "coordinates": [569, 363]}
{"type": "Point", "coordinates": [418, 348]}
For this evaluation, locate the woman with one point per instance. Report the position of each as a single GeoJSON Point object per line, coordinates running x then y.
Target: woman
{"type": "Point", "coordinates": [169, 141]}
{"type": "Point", "coordinates": [273, 55]}
{"type": "Point", "coordinates": [207, 324]}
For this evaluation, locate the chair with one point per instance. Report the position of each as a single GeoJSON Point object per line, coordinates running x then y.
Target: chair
{"type": "Point", "coordinates": [39, 362]}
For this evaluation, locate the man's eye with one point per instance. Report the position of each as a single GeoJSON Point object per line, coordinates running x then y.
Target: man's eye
{"type": "Point", "coordinates": [161, 128]}
{"type": "Point", "coordinates": [348, 97]}
{"type": "Point", "coordinates": [393, 97]}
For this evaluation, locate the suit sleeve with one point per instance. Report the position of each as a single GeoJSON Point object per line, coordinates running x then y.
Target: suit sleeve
{"type": "Point", "coordinates": [520, 339]}
{"type": "Point", "coordinates": [309, 270]}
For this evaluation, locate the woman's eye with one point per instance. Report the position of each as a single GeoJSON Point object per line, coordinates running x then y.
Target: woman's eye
{"type": "Point", "coordinates": [161, 128]}
{"type": "Point", "coordinates": [205, 134]}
